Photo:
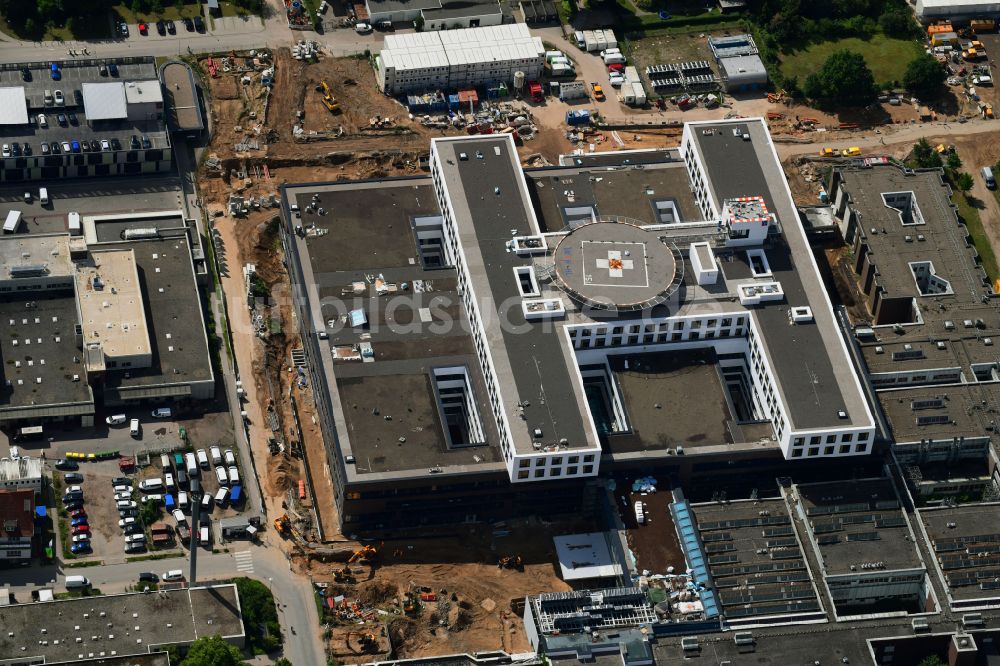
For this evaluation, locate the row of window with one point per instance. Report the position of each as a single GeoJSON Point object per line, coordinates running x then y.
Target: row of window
{"type": "Point", "coordinates": [844, 449]}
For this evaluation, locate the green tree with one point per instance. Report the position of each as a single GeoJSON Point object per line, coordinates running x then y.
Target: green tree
{"type": "Point", "coordinates": [259, 614]}
{"type": "Point", "coordinates": [213, 651]}
{"type": "Point", "coordinates": [924, 76]}
{"type": "Point", "coordinates": [150, 513]}
{"type": "Point", "coordinates": [954, 161]}
{"type": "Point", "coordinates": [896, 22]}
{"type": "Point", "coordinates": [282, 662]}
{"type": "Point", "coordinates": [963, 182]}
{"type": "Point", "coordinates": [932, 660]}
{"type": "Point", "coordinates": [924, 155]}
{"type": "Point", "coordinates": [844, 79]}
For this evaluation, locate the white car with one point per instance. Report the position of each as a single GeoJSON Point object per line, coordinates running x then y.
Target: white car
{"type": "Point", "coordinates": [147, 485]}
{"type": "Point", "coordinates": [216, 455]}
{"type": "Point", "coordinates": [230, 457]}
{"type": "Point", "coordinates": [146, 499]}
{"type": "Point", "coordinates": [362, 28]}
{"type": "Point", "coordinates": [161, 413]}
{"type": "Point", "coordinates": [234, 475]}
{"type": "Point", "coordinates": [6, 150]}
{"type": "Point", "coordinates": [74, 489]}
{"type": "Point", "coordinates": [125, 522]}
{"type": "Point", "coordinates": [66, 148]}
{"type": "Point", "coordinates": [125, 504]}
{"type": "Point", "coordinates": [116, 419]}
{"type": "Point", "coordinates": [135, 538]}
{"type": "Point", "coordinates": [124, 489]}
{"type": "Point", "coordinates": [122, 496]}
{"type": "Point", "coordinates": [60, 100]}
{"type": "Point", "coordinates": [179, 517]}
{"type": "Point", "coordinates": [174, 574]}
{"type": "Point", "coordinates": [80, 538]}
{"type": "Point", "coordinates": [105, 145]}
{"type": "Point", "coordinates": [43, 122]}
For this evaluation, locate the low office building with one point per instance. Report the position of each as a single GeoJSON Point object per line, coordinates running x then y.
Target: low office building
{"type": "Point", "coordinates": [103, 317]}
{"type": "Point", "coordinates": [619, 291]}
{"type": "Point", "coordinates": [437, 14]}
{"type": "Point", "coordinates": [452, 59]}
{"type": "Point", "coordinates": [966, 552]}
{"type": "Point", "coordinates": [740, 66]}
{"type": "Point", "coordinates": [21, 474]}
{"type": "Point", "coordinates": [119, 624]}
{"type": "Point", "coordinates": [67, 120]}
{"type": "Point", "coordinates": [17, 525]}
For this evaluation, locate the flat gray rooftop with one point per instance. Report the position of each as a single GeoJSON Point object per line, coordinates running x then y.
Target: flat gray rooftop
{"type": "Point", "coordinates": [173, 315]}
{"type": "Point", "coordinates": [858, 522]}
{"type": "Point", "coordinates": [532, 363]}
{"type": "Point", "coordinates": [941, 412]}
{"type": "Point", "coordinates": [965, 540]}
{"type": "Point", "coordinates": [181, 96]}
{"type": "Point", "coordinates": [757, 566]}
{"type": "Point", "coordinates": [615, 158]}
{"type": "Point", "coordinates": [46, 350]}
{"type": "Point", "coordinates": [155, 659]}
{"type": "Point", "coordinates": [411, 332]}
{"type": "Point", "coordinates": [560, 195]}
{"type": "Point", "coordinates": [815, 386]}
{"type": "Point", "coordinates": [138, 622]}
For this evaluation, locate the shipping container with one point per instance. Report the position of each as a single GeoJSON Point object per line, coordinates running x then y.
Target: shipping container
{"type": "Point", "coordinates": [12, 222]}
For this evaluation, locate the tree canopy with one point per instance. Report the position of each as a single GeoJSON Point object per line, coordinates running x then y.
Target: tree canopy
{"type": "Point", "coordinates": [213, 651]}
{"type": "Point", "coordinates": [924, 155]}
{"type": "Point", "coordinates": [844, 79]}
{"type": "Point", "coordinates": [924, 76]}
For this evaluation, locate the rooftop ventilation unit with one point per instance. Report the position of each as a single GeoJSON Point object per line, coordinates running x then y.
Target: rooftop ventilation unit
{"type": "Point", "coordinates": [29, 270]}
{"type": "Point", "coordinates": [141, 233]}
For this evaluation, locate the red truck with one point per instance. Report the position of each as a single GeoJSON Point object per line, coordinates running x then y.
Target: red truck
{"type": "Point", "coordinates": [535, 91]}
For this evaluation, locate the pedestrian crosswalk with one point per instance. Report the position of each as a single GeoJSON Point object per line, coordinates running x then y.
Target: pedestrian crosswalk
{"type": "Point", "coordinates": [244, 561]}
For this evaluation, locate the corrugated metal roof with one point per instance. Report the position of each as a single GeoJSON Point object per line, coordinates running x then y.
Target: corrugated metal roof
{"type": "Point", "coordinates": [13, 107]}
{"type": "Point", "coordinates": [143, 91]}
{"type": "Point", "coordinates": [104, 101]}
{"type": "Point", "coordinates": [467, 46]}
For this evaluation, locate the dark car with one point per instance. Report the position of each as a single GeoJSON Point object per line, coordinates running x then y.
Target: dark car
{"type": "Point", "coordinates": [103, 69]}
{"type": "Point", "coordinates": [79, 520]}
{"type": "Point", "coordinates": [71, 498]}
{"type": "Point", "coordinates": [95, 145]}
{"type": "Point", "coordinates": [135, 547]}
{"type": "Point", "coordinates": [45, 148]}
{"type": "Point", "coordinates": [134, 528]}
{"type": "Point", "coordinates": [73, 477]}
{"type": "Point", "coordinates": [128, 513]}
{"type": "Point", "coordinates": [199, 24]}
{"type": "Point", "coordinates": [113, 68]}
{"type": "Point", "coordinates": [149, 577]}
{"type": "Point", "coordinates": [161, 27]}
{"type": "Point", "coordinates": [171, 28]}
{"type": "Point", "coordinates": [121, 481]}
{"type": "Point", "coordinates": [72, 118]}
{"type": "Point", "coordinates": [61, 119]}
{"type": "Point", "coordinates": [76, 505]}
{"type": "Point", "coordinates": [133, 142]}
{"type": "Point", "coordinates": [54, 147]}
{"type": "Point", "coordinates": [27, 149]}
{"type": "Point", "coordinates": [15, 149]}
{"type": "Point", "coordinates": [25, 74]}
{"type": "Point", "coordinates": [188, 24]}
{"type": "Point", "coordinates": [116, 144]}
{"type": "Point", "coordinates": [78, 548]}
{"type": "Point", "coordinates": [65, 464]}
{"type": "Point", "coordinates": [146, 143]}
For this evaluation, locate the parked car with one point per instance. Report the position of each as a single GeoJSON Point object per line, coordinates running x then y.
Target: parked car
{"type": "Point", "coordinates": [229, 456]}
{"type": "Point", "coordinates": [161, 27]}
{"type": "Point", "coordinates": [125, 513]}
{"type": "Point", "coordinates": [45, 148]}
{"type": "Point", "coordinates": [149, 577]}
{"type": "Point", "coordinates": [126, 504]}
{"type": "Point", "coordinates": [143, 28]}
{"type": "Point", "coordinates": [124, 489]}
{"type": "Point", "coordinates": [171, 28]}
{"type": "Point", "coordinates": [125, 522]}
{"type": "Point", "coordinates": [149, 485]}
{"type": "Point", "coordinates": [78, 513]}
{"type": "Point", "coordinates": [188, 24]}
{"type": "Point", "coordinates": [74, 505]}
{"type": "Point", "coordinates": [133, 529]}
{"type": "Point", "coordinates": [362, 28]}
{"type": "Point", "coordinates": [79, 538]}
{"type": "Point", "coordinates": [73, 477]}
{"type": "Point", "coordinates": [113, 69]}
{"type": "Point", "coordinates": [116, 419]}
{"type": "Point", "coordinates": [135, 547]}
{"type": "Point", "coordinates": [174, 574]}
{"type": "Point", "coordinates": [81, 520]}
{"type": "Point", "coordinates": [179, 516]}
{"type": "Point", "coordinates": [123, 496]}
{"type": "Point", "coordinates": [199, 24]}
{"type": "Point", "coordinates": [82, 528]}
{"type": "Point", "coordinates": [216, 455]}
{"type": "Point", "coordinates": [60, 99]}
{"type": "Point", "coordinates": [80, 548]}
{"type": "Point", "coordinates": [63, 464]}
{"type": "Point", "coordinates": [121, 481]}
{"type": "Point", "coordinates": [146, 499]}
{"type": "Point", "coordinates": [234, 474]}
{"type": "Point", "coordinates": [161, 412]}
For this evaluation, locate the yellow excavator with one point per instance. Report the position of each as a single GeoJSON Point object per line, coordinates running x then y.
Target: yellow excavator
{"type": "Point", "coordinates": [329, 101]}
{"type": "Point", "coordinates": [366, 553]}
{"type": "Point", "coordinates": [283, 525]}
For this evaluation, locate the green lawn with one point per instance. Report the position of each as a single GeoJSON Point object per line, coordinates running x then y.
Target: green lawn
{"type": "Point", "coordinates": [95, 27]}
{"type": "Point", "coordinates": [974, 224]}
{"type": "Point", "coordinates": [886, 56]}
{"type": "Point", "coordinates": [170, 12]}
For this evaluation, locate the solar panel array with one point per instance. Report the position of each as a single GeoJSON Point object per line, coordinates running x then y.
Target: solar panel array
{"type": "Point", "coordinates": [828, 539]}
{"type": "Point", "coordinates": [776, 609]}
{"type": "Point", "coordinates": [697, 73]}
{"type": "Point", "coordinates": [863, 536]}
{"type": "Point", "coordinates": [830, 509]}
{"type": "Point", "coordinates": [743, 522]}
{"type": "Point", "coordinates": [765, 594]}
{"type": "Point", "coordinates": [777, 532]}
{"type": "Point", "coordinates": [763, 567]}
{"type": "Point", "coordinates": [715, 548]}
{"type": "Point", "coordinates": [717, 536]}
{"type": "Point", "coordinates": [765, 579]}
{"type": "Point", "coordinates": [781, 543]}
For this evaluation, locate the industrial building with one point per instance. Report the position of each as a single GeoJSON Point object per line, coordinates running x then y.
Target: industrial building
{"type": "Point", "coordinates": [740, 66]}
{"type": "Point", "coordinates": [17, 525]}
{"type": "Point", "coordinates": [21, 474]}
{"type": "Point", "coordinates": [184, 113]}
{"type": "Point", "coordinates": [115, 625]}
{"type": "Point", "coordinates": [452, 59]}
{"type": "Point", "coordinates": [438, 14]}
{"type": "Point", "coordinates": [929, 11]}
{"type": "Point", "coordinates": [692, 276]}
{"type": "Point", "coordinates": [68, 120]}
{"type": "Point", "coordinates": [101, 315]}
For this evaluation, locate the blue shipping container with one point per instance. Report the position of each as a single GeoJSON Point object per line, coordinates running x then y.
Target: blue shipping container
{"type": "Point", "coordinates": [169, 501]}
{"type": "Point", "coordinates": [234, 494]}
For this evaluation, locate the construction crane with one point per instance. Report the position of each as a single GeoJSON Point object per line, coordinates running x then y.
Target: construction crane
{"type": "Point", "coordinates": [329, 101]}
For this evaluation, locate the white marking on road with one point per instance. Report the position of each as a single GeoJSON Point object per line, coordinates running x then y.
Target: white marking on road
{"type": "Point", "coordinates": [244, 561]}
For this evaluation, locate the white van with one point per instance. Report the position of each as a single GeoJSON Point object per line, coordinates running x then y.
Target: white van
{"type": "Point", "coordinates": [220, 474]}
{"type": "Point", "coordinates": [43, 196]}
{"type": "Point", "coordinates": [116, 419]}
{"type": "Point", "coordinates": [174, 574]}
{"type": "Point", "coordinates": [164, 461]}
{"type": "Point", "coordinates": [182, 500]}
{"type": "Point", "coordinates": [76, 582]}
{"type": "Point", "coordinates": [134, 428]}
{"type": "Point", "coordinates": [205, 538]}
{"type": "Point", "coordinates": [168, 481]}
{"type": "Point", "coordinates": [151, 485]}
{"type": "Point", "coordinates": [206, 502]}
{"type": "Point", "coordinates": [216, 455]}
{"type": "Point", "coordinates": [230, 457]}
{"type": "Point", "coordinates": [203, 459]}
{"type": "Point", "coordinates": [222, 496]}
{"type": "Point", "coordinates": [161, 413]}
{"type": "Point", "coordinates": [191, 464]}
{"type": "Point", "coordinates": [234, 475]}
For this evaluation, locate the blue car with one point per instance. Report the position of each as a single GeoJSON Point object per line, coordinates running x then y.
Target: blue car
{"type": "Point", "coordinates": [113, 68]}
{"type": "Point", "coordinates": [56, 74]}
{"type": "Point", "coordinates": [78, 548]}
{"type": "Point", "coordinates": [82, 520]}
{"type": "Point", "coordinates": [75, 146]}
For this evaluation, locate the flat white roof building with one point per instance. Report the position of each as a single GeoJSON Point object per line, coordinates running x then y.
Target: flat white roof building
{"type": "Point", "coordinates": [425, 61]}
{"type": "Point", "coordinates": [24, 473]}
{"type": "Point", "coordinates": [104, 101]}
{"type": "Point", "coordinates": [931, 10]}
{"type": "Point", "coordinates": [13, 106]}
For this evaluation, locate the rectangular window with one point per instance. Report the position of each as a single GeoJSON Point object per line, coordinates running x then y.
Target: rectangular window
{"type": "Point", "coordinates": [524, 463]}
{"type": "Point", "coordinates": [572, 460]}
{"type": "Point", "coordinates": [588, 458]}
{"type": "Point", "coordinates": [588, 469]}
{"type": "Point", "coordinates": [860, 448]}
{"type": "Point", "coordinates": [557, 460]}
{"type": "Point", "coordinates": [523, 474]}
{"type": "Point", "coordinates": [830, 439]}
{"type": "Point", "coordinates": [796, 453]}
{"type": "Point", "coordinates": [570, 471]}
{"type": "Point", "coordinates": [845, 448]}
{"type": "Point", "coordinates": [813, 451]}
{"type": "Point", "coordinates": [828, 451]}
{"type": "Point", "coordinates": [814, 440]}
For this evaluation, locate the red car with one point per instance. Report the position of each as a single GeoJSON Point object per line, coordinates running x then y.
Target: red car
{"type": "Point", "coordinates": [81, 529]}
{"type": "Point", "coordinates": [79, 513]}
{"type": "Point", "coordinates": [616, 68]}
{"type": "Point", "coordinates": [143, 29]}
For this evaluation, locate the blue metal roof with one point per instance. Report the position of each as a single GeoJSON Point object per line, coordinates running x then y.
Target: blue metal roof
{"type": "Point", "coordinates": [694, 555]}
